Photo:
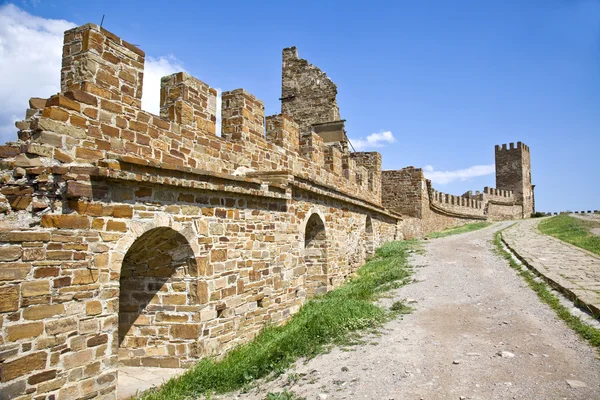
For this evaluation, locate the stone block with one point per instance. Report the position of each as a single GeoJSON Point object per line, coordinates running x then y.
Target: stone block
{"type": "Point", "coordinates": [42, 377]}
{"type": "Point", "coordinates": [122, 211]}
{"type": "Point", "coordinates": [14, 271]}
{"type": "Point", "coordinates": [116, 226]}
{"type": "Point", "coordinates": [9, 298]}
{"type": "Point", "coordinates": [84, 276]}
{"type": "Point", "coordinates": [185, 331]}
{"type": "Point", "coordinates": [43, 311]}
{"type": "Point", "coordinates": [79, 189]}
{"type": "Point", "coordinates": [10, 253]}
{"type": "Point", "coordinates": [174, 299]}
{"type": "Point", "coordinates": [22, 331]}
{"type": "Point", "coordinates": [22, 366]}
{"type": "Point", "coordinates": [88, 154]}
{"type": "Point", "coordinates": [93, 308]}
{"type": "Point", "coordinates": [61, 325]}
{"type": "Point", "coordinates": [35, 254]}
{"type": "Point", "coordinates": [45, 124]}
{"type": "Point", "coordinates": [65, 221]}
{"type": "Point", "coordinates": [97, 340]}
{"type": "Point", "coordinates": [37, 103]}
{"type": "Point", "coordinates": [218, 255]}
{"type": "Point", "coordinates": [77, 359]}
{"type": "Point", "coordinates": [14, 391]}
{"type": "Point", "coordinates": [35, 288]}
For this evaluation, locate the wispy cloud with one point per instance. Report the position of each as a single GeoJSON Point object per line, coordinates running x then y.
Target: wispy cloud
{"type": "Point", "coordinates": [443, 177]}
{"type": "Point", "coordinates": [154, 69]}
{"type": "Point", "coordinates": [30, 62]}
{"type": "Point", "coordinates": [374, 140]}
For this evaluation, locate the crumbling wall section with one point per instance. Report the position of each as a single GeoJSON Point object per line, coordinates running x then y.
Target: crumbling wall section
{"type": "Point", "coordinates": [307, 93]}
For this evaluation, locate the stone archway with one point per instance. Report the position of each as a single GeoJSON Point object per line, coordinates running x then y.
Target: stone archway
{"type": "Point", "coordinates": [158, 323]}
{"type": "Point", "coordinates": [315, 255]}
{"type": "Point", "coordinates": [369, 237]}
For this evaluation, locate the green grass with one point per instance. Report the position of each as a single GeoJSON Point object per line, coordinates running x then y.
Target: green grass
{"type": "Point", "coordinates": [334, 318]}
{"type": "Point", "coordinates": [285, 395]}
{"type": "Point", "coordinates": [590, 334]}
{"type": "Point", "coordinates": [460, 229]}
{"type": "Point", "coordinates": [572, 230]}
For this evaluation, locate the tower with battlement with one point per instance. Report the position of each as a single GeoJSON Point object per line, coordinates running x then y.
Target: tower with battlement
{"type": "Point", "coordinates": [513, 172]}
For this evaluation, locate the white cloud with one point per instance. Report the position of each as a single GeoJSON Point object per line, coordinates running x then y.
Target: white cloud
{"type": "Point", "coordinates": [154, 69]}
{"type": "Point", "coordinates": [374, 140]}
{"type": "Point", "coordinates": [30, 62]}
{"type": "Point", "coordinates": [443, 177]}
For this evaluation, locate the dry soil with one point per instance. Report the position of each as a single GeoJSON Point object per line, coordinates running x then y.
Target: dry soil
{"type": "Point", "coordinates": [477, 332]}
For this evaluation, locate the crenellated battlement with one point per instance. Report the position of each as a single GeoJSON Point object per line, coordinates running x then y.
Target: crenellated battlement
{"type": "Point", "coordinates": [507, 195]}
{"type": "Point", "coordinates": [453, 202]}
{"type": "Point", "coordinates": [511, 146]}
{"type": "Point", "coordinates": [97, 117]}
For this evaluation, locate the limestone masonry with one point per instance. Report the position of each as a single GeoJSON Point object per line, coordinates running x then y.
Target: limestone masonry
{"type": "Point", "coordinates": [128, 238]}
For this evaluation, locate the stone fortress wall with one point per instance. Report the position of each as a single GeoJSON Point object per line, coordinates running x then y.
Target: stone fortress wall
{"type": "Point", "coordinates": [409, 193]}
{"type": "Point", "coordinates": [128, 238]}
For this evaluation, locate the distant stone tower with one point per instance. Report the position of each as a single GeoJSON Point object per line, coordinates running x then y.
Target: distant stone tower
{"type": "Point", "coordinates": [513, 172]}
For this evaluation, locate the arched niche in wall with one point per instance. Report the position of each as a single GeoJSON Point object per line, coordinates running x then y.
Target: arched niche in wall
{"type": "Point", "coordinates": [369, 236]}
{"type": "Point", "coordinates": [157, 323]}
{"type": "Point", "coordinates": [315, 255]}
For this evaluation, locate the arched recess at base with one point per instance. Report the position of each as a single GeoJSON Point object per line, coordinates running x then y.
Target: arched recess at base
{"type": "Point", "coordinates": [369, 237]}
{"type": "Point", "coordinates": [157, 309]}
{"type": "Point", "coordinates": [315, 256]}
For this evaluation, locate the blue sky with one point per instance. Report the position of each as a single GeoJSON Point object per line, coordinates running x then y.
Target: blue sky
{"type": "Point", "coordinates": [447, 79]}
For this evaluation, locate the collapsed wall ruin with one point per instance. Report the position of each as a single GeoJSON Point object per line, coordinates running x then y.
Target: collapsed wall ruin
{"type": "Point", "coordinates": [128, 238]}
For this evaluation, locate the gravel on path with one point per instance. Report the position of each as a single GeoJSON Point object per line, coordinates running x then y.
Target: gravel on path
{"type": "Point", "coordinates": [477, 332]}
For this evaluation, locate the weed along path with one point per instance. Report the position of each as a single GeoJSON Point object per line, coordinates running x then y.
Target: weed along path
{"type": "Point", "coordinates": [477, 331]}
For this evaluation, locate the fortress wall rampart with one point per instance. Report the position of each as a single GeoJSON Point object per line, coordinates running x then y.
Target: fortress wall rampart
{"type": "Point", "coordinates": [62, 279]}
{"type": "Point", "coordinates": [499, 194]}
{"type": "Point", "coordinates": [408, 192]}
{"type": "Point", "coordinates": [456, 204]}
{"type": "Point", "coordinates": [105, 205]}
{"type": "Point", "coordinates": [501, 204]}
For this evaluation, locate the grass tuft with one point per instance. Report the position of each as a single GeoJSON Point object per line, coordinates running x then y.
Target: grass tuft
{"type": "Point", "coordinates": [459, 229]}
{"type": "Point", "coordinates": [285, 395]}
{"type": "Point", "coordinates": [400, 308]}
{"type": "Point", "coordinates": [589, 333]}
{"type": "Point", "coordinates": [572, 230]}
{"type": "Point", "coordinates": [333, 318]}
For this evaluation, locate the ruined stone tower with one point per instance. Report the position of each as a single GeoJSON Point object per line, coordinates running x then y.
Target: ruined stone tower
{"type": "Point", "coordinates": [308, 95]}
{"type": "Point", "coordinates": [513, 172]}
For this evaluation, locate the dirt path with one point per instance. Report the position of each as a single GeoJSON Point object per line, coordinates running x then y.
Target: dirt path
{"type": "Point", "coordinates": [470, 307]}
